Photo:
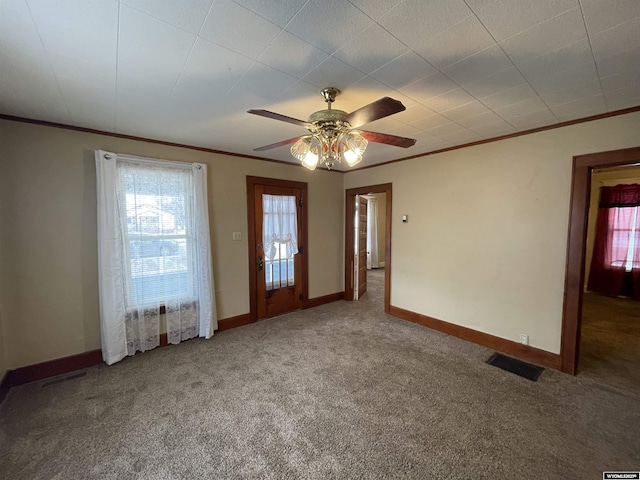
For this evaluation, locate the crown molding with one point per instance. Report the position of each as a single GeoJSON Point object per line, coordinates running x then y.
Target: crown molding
{"type": "Point", "coordinates": [282, 162]}
{"type": "Point", "coordinates": [505, 137]}
{"type": "Point", "coordinates": [75, 128]}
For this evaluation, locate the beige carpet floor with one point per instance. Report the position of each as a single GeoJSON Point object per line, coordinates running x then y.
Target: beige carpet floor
{"type": "Point", "coordinates": [336, 392]}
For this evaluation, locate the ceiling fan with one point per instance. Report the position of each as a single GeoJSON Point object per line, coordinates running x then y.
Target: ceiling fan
{"type": "Point", "coordinates": [333, 135]}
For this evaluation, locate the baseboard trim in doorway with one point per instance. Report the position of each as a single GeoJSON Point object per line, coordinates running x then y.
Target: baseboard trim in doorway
{"type": "Point", "coordinates": [317, 301]}
{"type": "Point", "coordinates": [523, 352]}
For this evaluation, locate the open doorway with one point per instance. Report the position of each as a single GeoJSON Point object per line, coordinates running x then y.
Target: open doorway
{"type": "Point", "coordinates": [360, 251]}
{"type": "Point", "coordinates": [370, 243]}
{"type": "Point", "coordinates": [578, 305]}
{"type": "Point", "coordinates": [610, 333]}
{"type": "Point", "coordinates": [360, 246]}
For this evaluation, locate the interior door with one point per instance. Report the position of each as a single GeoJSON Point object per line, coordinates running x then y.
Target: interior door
{"type": "Point", "coordinates": [279, 278]}
{"type": "Point", "coordinates": [351, 237]}
{"type": "Point", "coordinates": [361, 229]}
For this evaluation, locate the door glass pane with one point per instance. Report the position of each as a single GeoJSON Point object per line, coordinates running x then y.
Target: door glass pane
{"type": "Point", "coordinates": [279, 270]}
{"type": "Point", "coordinates": [280, 236]}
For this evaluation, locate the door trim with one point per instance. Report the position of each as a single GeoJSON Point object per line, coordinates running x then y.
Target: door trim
{"type": "Point", "coordinates": [251, 238]}
{"type": "Point", "coordinates": [350, 196]}
{"type": "Point", "coordinates": [577, 245]}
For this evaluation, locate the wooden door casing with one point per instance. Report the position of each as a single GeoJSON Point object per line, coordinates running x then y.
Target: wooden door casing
{"type": "Point", "coordinates": [583, 165]}
{"type": "Point", "coordinates": [287, 298]}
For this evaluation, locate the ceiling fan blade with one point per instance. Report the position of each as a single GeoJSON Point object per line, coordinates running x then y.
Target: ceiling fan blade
{"type": "Point", "coordinates": [374, 111]}
{"type": "Point", "coordinates": [277, 116]}
{"type": "Point", "coordinates": [394, 140]}
{"type": "Point", "coordinates": [276, 145]}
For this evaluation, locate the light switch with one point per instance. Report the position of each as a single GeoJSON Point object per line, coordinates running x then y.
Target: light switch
{"type": "Point", "coordinates": [405, 218]}
{"type": "Point", "coordinates": [237, 236]}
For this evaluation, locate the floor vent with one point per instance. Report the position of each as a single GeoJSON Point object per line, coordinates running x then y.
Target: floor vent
{"type": "Point", "coordinates": [73, 376]}
{"type": "Point", "coordinates": [524, 369]}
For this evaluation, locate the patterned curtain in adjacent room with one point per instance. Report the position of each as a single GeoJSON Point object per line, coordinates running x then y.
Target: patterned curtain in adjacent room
{"type": "Point", "coordinates": [616, 251]}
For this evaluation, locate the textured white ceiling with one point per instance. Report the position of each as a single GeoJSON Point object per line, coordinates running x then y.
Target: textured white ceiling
{"type": "Point", "coordinates": [187, 71]}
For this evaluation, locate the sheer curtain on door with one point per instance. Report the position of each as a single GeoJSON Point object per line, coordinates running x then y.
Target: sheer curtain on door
{"type": "Point", "coordinates": [280, 226]}
{"type": "Point", "coordinates": [154, 253]}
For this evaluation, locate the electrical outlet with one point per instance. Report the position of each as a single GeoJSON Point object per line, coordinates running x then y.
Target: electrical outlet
{"type": "Point", "coordinates": [524, 339]}
{"type": "Point", "coordinates": [237, 236]}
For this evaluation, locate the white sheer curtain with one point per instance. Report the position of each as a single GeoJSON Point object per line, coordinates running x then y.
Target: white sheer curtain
{"type": "Point", "coordinates": [372, 234]}
{"type": "Point", "coordinates": [279, 225]}
{"type": "Point", "coordinates": [154, 253]}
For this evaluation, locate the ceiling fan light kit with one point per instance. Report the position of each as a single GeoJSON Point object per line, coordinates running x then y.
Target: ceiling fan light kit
{"type": "Point", "coordinates": [333, 133]}
{"type": "Point", "coordinates": [320, 148]}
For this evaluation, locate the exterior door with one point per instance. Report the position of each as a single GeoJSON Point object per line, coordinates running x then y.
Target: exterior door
{"type": "Point", "coordinates": [361, 246]}
{"type": "Point", "coordinates": [278, 272]}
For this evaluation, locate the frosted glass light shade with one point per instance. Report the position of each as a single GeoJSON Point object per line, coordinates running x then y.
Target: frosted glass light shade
{"type": "Point", "coordinates": [300, 149]}
{"type": "Point", "coordinates": [304, 151]}
{"type": "Point", "coordinates": [329, 148]}
{"type": "Point", "coordinates": [353, 147]}
{"type": "Point", "coordinates": [310, 160]}
{"type": "Point", "coordinates": [351, 157]}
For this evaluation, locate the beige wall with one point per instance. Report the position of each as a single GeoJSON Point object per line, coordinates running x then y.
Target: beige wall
{"type": "Point", "coordinates": [49, 259]}
{"type": "Point", "coordinates": [604, 178]}
{"type": "Point", "coordinates": [486, 240]}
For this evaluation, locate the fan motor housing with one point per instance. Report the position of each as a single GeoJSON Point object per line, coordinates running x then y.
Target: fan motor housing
{"type": "Point", "coordinates": [327, 116]}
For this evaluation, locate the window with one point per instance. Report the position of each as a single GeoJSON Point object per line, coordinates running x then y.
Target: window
{"type": "Point", "coordinates": [626, 231]}
{"type": "Point", "coordinates": [159, 237]}
{"type": "Point", "coordinates": [615, 262]}
{"type": "Point", "coordinates": [154, 254]}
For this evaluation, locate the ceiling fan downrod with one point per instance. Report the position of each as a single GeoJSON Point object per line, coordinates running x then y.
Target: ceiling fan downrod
{"type": "Point", "coordinates": [329, 95]}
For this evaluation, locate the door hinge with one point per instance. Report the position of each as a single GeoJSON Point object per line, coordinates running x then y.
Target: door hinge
{"type": "Point", "coordinates": [301, 297]}
{"type": "Point", "coordinates": [300, 202]}
{"type": "Point", "coordinates": [301, 250]}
